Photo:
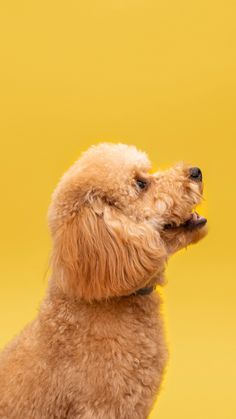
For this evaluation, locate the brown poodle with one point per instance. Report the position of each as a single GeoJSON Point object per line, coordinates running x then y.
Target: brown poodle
{"type": "Point", "coordinates": [96, 349]}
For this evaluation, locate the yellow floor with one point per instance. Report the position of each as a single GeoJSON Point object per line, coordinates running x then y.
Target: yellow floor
{"type": "Point", "coordinates": [160, 75]}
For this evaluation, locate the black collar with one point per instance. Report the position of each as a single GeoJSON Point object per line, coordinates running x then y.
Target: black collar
{"type": "Point", "coordinates": [143, 291]}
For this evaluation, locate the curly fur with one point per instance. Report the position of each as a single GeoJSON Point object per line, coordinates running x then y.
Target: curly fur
{"type": "Point", "coordinates": [96, 350]}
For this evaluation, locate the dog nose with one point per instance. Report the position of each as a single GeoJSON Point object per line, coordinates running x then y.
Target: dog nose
{"type": "Point", "coordinates": [195, 174]}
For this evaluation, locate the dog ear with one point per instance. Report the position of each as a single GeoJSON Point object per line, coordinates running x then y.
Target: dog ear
{"type": "Point", "coordinates": [99, 252]}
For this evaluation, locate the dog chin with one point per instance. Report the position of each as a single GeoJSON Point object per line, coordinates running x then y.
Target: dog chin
{"type": "Point", "coordinates": [177, 238]}
{"type": "Point", "coordinates": [199, 233]}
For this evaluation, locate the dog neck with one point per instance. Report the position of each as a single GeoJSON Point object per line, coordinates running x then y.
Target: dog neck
{"type": "Point", "coordinates": [55, 292]}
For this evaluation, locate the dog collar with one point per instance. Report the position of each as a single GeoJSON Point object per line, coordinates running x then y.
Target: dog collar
{"type": "Point", "coordinates": [143, 291]}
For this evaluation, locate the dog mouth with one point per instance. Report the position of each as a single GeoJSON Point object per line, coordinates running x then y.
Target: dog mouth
{"type": "Point", "coordinates": [194, 222]}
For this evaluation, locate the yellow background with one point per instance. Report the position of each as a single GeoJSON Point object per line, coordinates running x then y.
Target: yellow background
{"type": "Point", "coordinates": [158, 74]}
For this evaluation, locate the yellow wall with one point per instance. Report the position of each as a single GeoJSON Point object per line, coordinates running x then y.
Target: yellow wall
{"type": "Point", "coordinates": [161, 75]}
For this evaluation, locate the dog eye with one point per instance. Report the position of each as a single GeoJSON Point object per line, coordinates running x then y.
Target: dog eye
{"type": "Point", "coordinates": [142, 184]}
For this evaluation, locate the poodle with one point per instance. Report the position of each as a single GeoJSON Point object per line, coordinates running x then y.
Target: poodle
{"type": "Point", "coordinates": [97, 348]}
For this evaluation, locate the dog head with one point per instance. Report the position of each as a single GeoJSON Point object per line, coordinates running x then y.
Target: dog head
{"type": "Point", "coordinates": [114, 224]}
